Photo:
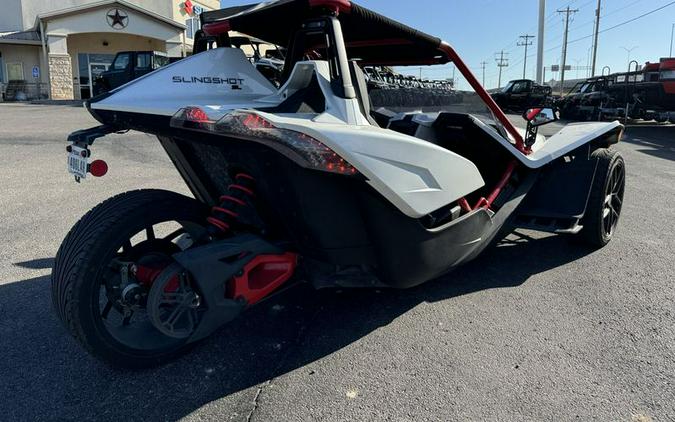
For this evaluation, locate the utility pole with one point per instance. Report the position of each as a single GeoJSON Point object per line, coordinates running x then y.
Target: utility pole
{"type": "Point", "coordinates": [501, 63]}
{"type": "Point", "coordinates": [525, 43]}
{"type": "Point", "coordinates": [672, 32]}
{"type": "Point", "coordinates": [596, 31]}
{"type": "Point", "coordinates": [482, 65]}
{"type": "Point", "coordinates": [540, 42]}
{"type": "Point", "coordinates": [567, 13]}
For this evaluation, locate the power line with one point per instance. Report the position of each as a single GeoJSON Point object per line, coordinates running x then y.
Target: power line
{"type": "Point", "coordinates": [619, 24]}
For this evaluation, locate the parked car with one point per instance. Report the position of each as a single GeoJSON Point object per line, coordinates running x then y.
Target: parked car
{"type": "Point", "coordinates": [521, 94]}
{"type": "Point", "coordinates": [127, 66]}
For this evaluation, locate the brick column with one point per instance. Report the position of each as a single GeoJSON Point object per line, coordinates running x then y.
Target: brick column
{"type": "Point", "coordinates": [61, 77]}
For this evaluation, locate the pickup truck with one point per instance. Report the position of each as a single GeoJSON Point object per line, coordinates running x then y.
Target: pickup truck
{"type": "Point", "coordinates": [127, 66]}
{"type": "Point", "coordinates": [521, 94]}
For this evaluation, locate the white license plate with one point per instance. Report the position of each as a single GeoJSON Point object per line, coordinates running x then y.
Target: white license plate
{"type": "Point", "coordinates": [77, 164]}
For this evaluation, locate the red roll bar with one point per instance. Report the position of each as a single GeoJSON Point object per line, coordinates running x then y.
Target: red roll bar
{"type": "Point", "coordinates": [484, 95]}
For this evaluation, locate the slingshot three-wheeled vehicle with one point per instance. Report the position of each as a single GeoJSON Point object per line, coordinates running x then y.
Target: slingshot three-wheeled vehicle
{"type": "Point", "coordinates": [304, 180]}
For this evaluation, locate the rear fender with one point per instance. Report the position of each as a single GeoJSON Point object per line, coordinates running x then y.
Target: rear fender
{"type": "Point", "coordinates": [558, 200]}
{"type": "Point", "coordinates": [569, 138]}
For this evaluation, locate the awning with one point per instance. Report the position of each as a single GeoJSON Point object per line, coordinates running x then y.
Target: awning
{"type": "Point", "coordinates": [20, 37]}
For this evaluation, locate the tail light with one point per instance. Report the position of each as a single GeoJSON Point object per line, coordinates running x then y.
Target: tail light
{"type": "Point", "coordinates": [192, 118]}
{"type": "Point", "coordinates": [317, 155]}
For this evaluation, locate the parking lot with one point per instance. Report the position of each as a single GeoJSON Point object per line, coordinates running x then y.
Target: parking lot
{"type": "Point", "coordinates": [531, 330]}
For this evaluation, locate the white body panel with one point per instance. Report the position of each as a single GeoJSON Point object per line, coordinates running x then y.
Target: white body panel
{"type": "Point", "coordinates": [416, 176]}
{"type": "Point", "coordinates": [158, 93]}
{"type": "Point", "coordinates": [546, 150]}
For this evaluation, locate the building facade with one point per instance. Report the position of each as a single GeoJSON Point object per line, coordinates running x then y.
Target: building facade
{"type": "Point", "coordinates": [55, 49]}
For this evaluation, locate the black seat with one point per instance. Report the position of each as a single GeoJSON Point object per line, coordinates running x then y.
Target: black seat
{"type": "Point", "coordinates": [361, 88]}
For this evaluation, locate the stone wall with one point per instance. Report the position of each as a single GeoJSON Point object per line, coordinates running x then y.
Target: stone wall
{"type": "Point", "coordinates": [61, 77]}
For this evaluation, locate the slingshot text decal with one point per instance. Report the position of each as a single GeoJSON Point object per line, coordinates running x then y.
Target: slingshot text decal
{"type": "Point", "coordinates": [234, 82]}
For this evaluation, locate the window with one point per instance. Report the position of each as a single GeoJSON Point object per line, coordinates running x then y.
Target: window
{"type": "Point", "coordinates": [83, 68]}
{"type": "Point", "coordinates": [121, 62]}
{"type": "Point", "coordinates": [507, 87]}
{"type": "Point", "coordinates": [192, 26]}
{"type": "Point", "coordinates": [160, 61]}
{"type": "Point", "coordinates": [143, 61]}
{"type": "Point", "coordinates": [15, 71]}
{"type": "Point", "coordinates": [667, 75]}
{"type": "Point", "coordinates": [520, 87]}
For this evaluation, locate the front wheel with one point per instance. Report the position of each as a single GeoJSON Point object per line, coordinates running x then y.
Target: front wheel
{"type": "Point", "coordinates": [606, 198]}
{"type": "Point", "coordinates": [101, 304]}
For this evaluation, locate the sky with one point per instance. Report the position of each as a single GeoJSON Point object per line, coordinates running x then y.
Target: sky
{"type": "Point", "coordinates": [478, 29]}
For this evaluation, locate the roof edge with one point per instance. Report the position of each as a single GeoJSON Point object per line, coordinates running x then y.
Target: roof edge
{"type": "Point", "coordinates": [75, 9]}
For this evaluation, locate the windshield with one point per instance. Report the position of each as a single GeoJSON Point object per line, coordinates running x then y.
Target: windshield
{"type": "Point", "coordinates": [507, 87]}
{"type": "Point", "coordinates": [587, 87]}
{"type": "Point", "coordinates": [429, 90]}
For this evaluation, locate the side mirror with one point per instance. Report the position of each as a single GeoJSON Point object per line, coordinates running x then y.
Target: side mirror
{"type": "Point", "coordinates": [540, 116]}
{"type": "Point", "coordinates": [537, 117]}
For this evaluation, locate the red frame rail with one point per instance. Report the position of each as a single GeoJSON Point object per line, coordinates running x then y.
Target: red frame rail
{"type": "Point", "coordinates": [484, 95]}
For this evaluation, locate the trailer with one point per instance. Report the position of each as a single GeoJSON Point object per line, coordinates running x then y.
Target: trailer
{"type": "Point", "coordinates": [644, 94]}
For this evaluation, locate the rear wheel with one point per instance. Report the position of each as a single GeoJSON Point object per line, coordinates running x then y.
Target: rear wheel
{"type": "Point", "coordinates": [94, 288]}
{"type": "Point", "coordinates": [606, 198]}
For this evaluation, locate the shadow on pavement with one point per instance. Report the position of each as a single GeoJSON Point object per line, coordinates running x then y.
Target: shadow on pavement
{"type": "Point", "coordinates": [660, 141]}
{"type": "Point", "coordinates": [46, 375]}
{"type": "Point", "coordinates": [36, 264]}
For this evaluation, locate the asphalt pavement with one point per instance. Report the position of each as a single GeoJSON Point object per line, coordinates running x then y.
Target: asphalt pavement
{"type": "Point", "coordinates": [537, 328]}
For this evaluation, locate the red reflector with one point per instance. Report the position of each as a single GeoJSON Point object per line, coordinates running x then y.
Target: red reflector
{"type": "Point", "coordinates": [98, 168]}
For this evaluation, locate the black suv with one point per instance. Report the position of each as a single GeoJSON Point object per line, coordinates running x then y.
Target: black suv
{"type": "Point", "coordinates": [521, 94]}
{"type": "Point", "coordinates": [127, 66]}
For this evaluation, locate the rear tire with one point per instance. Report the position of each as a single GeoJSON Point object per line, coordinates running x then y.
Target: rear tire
{"type": "Point", "coordinates": [83, 261]}
{"type": "Point", "coordinates": [606, 198]}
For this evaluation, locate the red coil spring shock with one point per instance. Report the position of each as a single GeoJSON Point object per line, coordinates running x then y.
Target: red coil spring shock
{"type": "Point", "coordinates": [226, 215]}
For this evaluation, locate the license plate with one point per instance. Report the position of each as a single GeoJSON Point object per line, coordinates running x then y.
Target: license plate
{"type": "Point", "coordinates": [77, 164]}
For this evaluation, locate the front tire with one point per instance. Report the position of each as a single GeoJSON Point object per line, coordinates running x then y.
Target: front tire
{"type": "Point", "coordinates": [84, 293]}
{"type": "Point", "coordinates": [606, 198]}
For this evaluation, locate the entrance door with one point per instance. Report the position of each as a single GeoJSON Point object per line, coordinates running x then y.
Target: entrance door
{"type": "Point", "coordinates": [95, 70]}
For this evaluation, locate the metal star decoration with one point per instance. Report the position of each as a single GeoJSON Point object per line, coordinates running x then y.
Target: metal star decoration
{"type": "Point", "coordinates": [116, 19]}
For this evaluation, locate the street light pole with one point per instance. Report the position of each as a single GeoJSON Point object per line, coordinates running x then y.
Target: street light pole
{"type": "Point", "coordinates": [483, 64]}
{"type": "Point", "coordinates": [577, 67]}
{"type": "Point", "coordinates": [540, 42]}
{"type": "Point", "coordinates": [596, 31]}
{"type": "Point", "coordinates": [629, 50]}
{"type": "Point", "coordinates": [672, 32]}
